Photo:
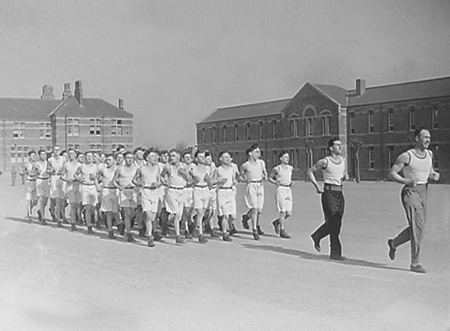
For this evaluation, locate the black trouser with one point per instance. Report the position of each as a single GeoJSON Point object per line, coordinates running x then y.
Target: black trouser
{"type": "Point", "coordinates": [333, 207]}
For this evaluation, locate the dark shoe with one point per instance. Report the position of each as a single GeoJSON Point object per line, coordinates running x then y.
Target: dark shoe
{"type": "Point", "coordinates": [227, 237]}
{"type": "Point", "coordinates": [276, 226]}
{"type": "Point", "coordinates": [260, 232]}
{"type": "Point", "coordinates": [130, 238]}
{"type": "Point", "coordinates": [150, 242]}
{"type": "Point", "coordinates": [39, 216]}
{"type": "Point", "coordinates": [418, 268]}
{"type": "Point", "coordinates": [245, 221]}
{"type": "Point", "coordinates": [111, 235]}
{"type": "Point", "coordinates": [337, 257]}
{"type": "Point", "coordinates": [121, 228]}
{"type": "Point", "coordinates": [157, 236]}
{"type": "Point", "coordinates": [98, 225]}
{"type": "Point", "coordinates": [52, 214]}
{"type": "Point", "coordinates": [392, 249]}
{"type": "Point", "coordinates": [233, 231]}
{"type": "Point", "coordinates": [316, 244]}
{"type": "Point", "coordinates": [180, 240]}
{"type": "Point", "coordinates": [283, 234]}
{"type": "Point", "coordinates": [59, 224]}
{"type": "Point", "coordinates": [215, 233]}
{"type": "Point", "coordinates": [141, 232]}
{"type": "Point", "coordinates": [73, 227]}
{"type": "Point", "coordinates": [90, 231]}
{"type": "Point", "coordinates": [65, 221]}
{"type": "Point", "coordinates": [255, 235]}
{"type": "Point", "coordinates": [202, 239]}
{"type": "Point", "coordinates": [188, 235]}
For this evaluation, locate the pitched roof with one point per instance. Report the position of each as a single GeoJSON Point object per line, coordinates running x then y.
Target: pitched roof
{"type": "Point", "coordinates": [422, 89]}
{"type": "Point", "coordinates": [336, 93]}
{"type": "Point", "coordinates": [247, 111]}
{"type": "Point", "coordinates": [26, 109]}
{"type": "Point", "coordinates": [39, 110]}
{"type": "Point", "coordinates": [92, 107]}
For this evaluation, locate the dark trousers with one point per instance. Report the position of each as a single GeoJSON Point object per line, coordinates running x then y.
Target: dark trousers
{"type": "Point", "coordinates": [333, 204]}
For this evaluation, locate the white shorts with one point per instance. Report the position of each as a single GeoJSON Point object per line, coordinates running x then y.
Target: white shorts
{"type": "Point", "coordinates": [175, 200]}
{"type": "Point", "coordinates": [88, 195]}
{"type": "Point", "coordinates": [138, 191]}
{"type": "Point", "coordinates": [43, 188]}
{"type": "Point", "coordinates": [283, 198]}
{"type": "Point", "coordinates": [150, 199]}
{"type": "Point", "coordinates": [254, 195]}
{"type": "Point", "coordinates": [128, 198]}
{"type": "Point", "coordinates": [202, 197]}
{"type": "Point", "coordinates": [72, 191]}
{"type": "Point", "coordinates": [189, 197]}
{"type": "Point", "coordinates": [31, 194]}
{"type": "Point", "coordinates": [110, 200]}
{"type": "Point", "coordinates": [226, 201]}
{"type": "Point", "coordinates": [213, 199]}
{"type": "Point", "coordinates": [56, 187]}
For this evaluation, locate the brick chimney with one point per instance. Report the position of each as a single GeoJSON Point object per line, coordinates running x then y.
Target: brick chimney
{"type": "Point", "coordinates": [360, 87]}
{"type": "Point", "coordinates": [67, 92]}
{"type": "Point", "coordinates": [79, 92]}
{"type": "Point", "coordinates": [121, 103]}
{"type": "Point", "coordinates": [47, 93]}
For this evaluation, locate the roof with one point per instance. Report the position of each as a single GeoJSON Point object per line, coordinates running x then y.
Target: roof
{"type": "Point", "coordinates": [39, 110]}
{"type": "Point", "coordinates": [336, 93]}
{"type": "Point", "coordinates": [422, 89]}
{"type": "Point", "coordinates": [259, 109]}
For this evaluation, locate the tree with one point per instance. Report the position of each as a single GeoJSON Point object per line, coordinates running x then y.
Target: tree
{"type": "Point", "coordinates": [356, 144]}
{"type": "Point", "coordinates": [309, 157]}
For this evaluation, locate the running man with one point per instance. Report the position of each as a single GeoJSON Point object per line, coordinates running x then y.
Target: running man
{"type": "Point", "coordinates": [162, 215]}
{"type": "Point", "coordinates": [56, 164]}
{"type": "Point", "coordinates": [417, 166]}
{"type": "Point", "coordinates": [254, 172]}
{"type": "Point", "coordinates": [72, 187]}
{"type": "Point", "coordinates": [334, 171]}
{"type": "Point", "coordinates": [281, 176]}
{"type": "Point", "coordinates": [31, 173]}
{"type": "Point", "coordinates": [42, 184]}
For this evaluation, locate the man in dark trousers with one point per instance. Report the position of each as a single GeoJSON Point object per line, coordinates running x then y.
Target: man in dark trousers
{"type": "Point", "coordinates": [334, 170]}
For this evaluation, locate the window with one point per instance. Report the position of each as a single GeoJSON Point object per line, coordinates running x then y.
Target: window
{"type": "Point", "coordinates": [13, 154]}
{"type": "Point", "coordinates": [116, 127]}
{"type": "Point", "coordinates": [324, 152]}
{"type": "Point", "coordinates": [391, 120]}
{"type": "Point", "coordinates": [325, 121]}
{"type": "Point", "coordinates": [391, 159]}
{"type": "Point", "coordinates": [224, 133]}
{"type": "Point", "coordinates": [119, 128]}
{"type": "Point", "coordinates": [114, 146]}
{"type": "Point", "coordinates": [213, 129]}
{"type": "Point", "coordinates": [412, 119]}
{"type": "Point", "coordinates": [236, 132]}
{"type": "Point", "coordinates": [41, 130]}
{"type": "Point", "coordinates": [309, 126]}
{"type": "Point", "coordinates": [16, 130]}
{"type": "Point", "coordinates": [92, 147]}
{"type": "Point", "coordinates": [435, 149]}
{"type": "Point", "coordinates": [235, 157]}
{"type": "Point", "coordinates": [247, 131]}
{"type": "Point", "coordinates": [48, 131]}
{"type": "Point", "coordinates": [352, 123]}
{"type": "Point", "coordinates": [92, 127]}
{"type": "Point", "coordinates": [73, 127]}
{"type": "Point", "coordinates": [309, 157]}
{"type": "Point", "coordinates": [291, 156]}
{"type": "Point", "coordinates": [371, 158]}
{"type": "Point", "coordinates": [95, 127]}
{"type": "Point", "coordinates": [77, 147]}
{"type": "Point", "coordinates": [19, 130]}
{"type": "Point", "coordinates": [296, 164]}
{"type": "Point", "coordinates": [69, 127]}
{"type": "Point", "coordinates": [274, 158]}
{"type": "Point", "coordinates": [113, 127]}
{"type": "Point", "coordinates": [99, 148]}
{"type": "Point", "coordinates": [274, 129]}
{"type": "Point", "coordinates": [370, 121]}
{"type": "Point", "coordinates": [434, 115]}
{"type": "Point", "coordinates": [203, 136]}
{"type": "Point", "coordinates": [261, 131]}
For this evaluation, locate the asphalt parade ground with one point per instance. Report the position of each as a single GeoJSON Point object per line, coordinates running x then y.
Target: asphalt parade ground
{"type": "Point", "coordinates": [54, 279]}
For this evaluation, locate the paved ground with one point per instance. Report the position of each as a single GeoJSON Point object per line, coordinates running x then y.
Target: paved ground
{"type": "Point", "coordinates": [52, 279]}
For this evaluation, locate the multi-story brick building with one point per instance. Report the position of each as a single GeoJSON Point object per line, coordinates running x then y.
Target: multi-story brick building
{"type": "Point", "coordinates": [71, 122]}
{"type": "Point", "coordinates": [382, 118]}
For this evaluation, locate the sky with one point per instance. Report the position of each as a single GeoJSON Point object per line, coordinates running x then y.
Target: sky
{"type": "Point", "coordinates": [175, 62]}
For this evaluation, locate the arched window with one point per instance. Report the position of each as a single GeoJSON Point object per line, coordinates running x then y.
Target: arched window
{"type": "Point", "coordinates": [236, 132]}
{"type": "Point", "coordinates": [203, 136]}
{"type": "Point", "coordinates": [247, 132]}
{"type": "Point", "coordinates": [224, 133]}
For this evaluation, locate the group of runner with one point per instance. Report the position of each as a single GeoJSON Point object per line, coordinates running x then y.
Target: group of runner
{"type": "Point", "coordinates": [186, 189]}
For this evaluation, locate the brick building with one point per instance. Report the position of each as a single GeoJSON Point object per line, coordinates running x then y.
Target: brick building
{"type": "Point", "coordinates": [382, 118]}
{"type": "Point", "coordinates": [72, 121]}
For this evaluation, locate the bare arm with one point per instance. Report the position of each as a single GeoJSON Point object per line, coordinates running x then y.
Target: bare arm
{"type": "Point", "coordinates": [273, 176]}
{"type": "Point", "coordinates": [243, 175]}
{"type": "Point", "coordinates": [116, 179]}
{"type": "Point", "coordinates": [399, 164]}
{"type": "Point", "coordinates": [433, 174]}
{"type": "Point", "coordinates": [137, 180]}
{"type": "Point", "coordinates": [321, 164]}
{"type": "Point", "coordinates": [77, 175]}
{"type": "Point", "coordinates": [264, 170]}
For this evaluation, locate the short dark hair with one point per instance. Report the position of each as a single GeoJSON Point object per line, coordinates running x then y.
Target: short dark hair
{"type": "Point", "coordinates": [175, 150]}
{"type": "Point", "coordinates": [223, 152]}
{"type": "Point", "coordinates": [109, 154]}
{"type": "Point", "coordinates": [418, 131]}
{"type": "Point", "coordinates": [164, 151]}
{"type": "Point", "coordinates": [119, 147]}
{"type": "Point", "coordinates": [251, 149]}
{"type": "Point", "coordinates": [117, 153]}
{"type": "Point", "coordinates": [150, 150]}
{"type": "Point", "coordinates": [199, 152]}
{"type": "Point", "coordinates": [31, 152]}
{"type": "Point", "coordinates": [41, 151]}
{"type": "Point", "coordinates": [332, 140]}
{"type": "Point", "coordinates": [126, 153]}
{"type": "Point", "coordinates": [282, 153]}
{"type": "Point", "coordinates": [185, 152]}
{"type": "Point", "coordinates": [137, 149]}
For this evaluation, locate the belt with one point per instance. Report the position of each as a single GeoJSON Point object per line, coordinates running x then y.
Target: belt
{"type": "Point", "coordinates": [31, 180]}
{"type": "Point", "coordinates": [43, 178]}
{"type": "Point", "coordinates": [149, 187]}
{"type": "Point", "coordinates": [226, 187]}
{"type": "Point", "coordinates": [128, 187]}
{"type": "Point", "coordinates": [176, 188]}
{"type": "Point", "coordinates": [283, 185]}
{"type": "Point", "coordinates": [256, 181]}
{"type": "Point", "coordinates": [329, 187]}
{"type": "Point", "coordinates": [201, 186]}
{"type": "Point", "coordinates": [88, 184]}
{"type": "Point", "coordinates": [110, 187]}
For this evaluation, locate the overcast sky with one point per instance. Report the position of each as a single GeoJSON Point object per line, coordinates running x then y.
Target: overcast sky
{"type": "Point", "coordinates": [173, 62]}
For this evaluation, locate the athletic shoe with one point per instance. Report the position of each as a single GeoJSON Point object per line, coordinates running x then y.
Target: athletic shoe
{"type": "Point", "coordinates": [276, 226]}
{"type": "Point", "coordinates": [157, 236]}
{"type": "Point", "coordinates": [188, 235]}
{"type": "Point", "coordinates": [111, 235]}
{"type": "Point", "coordinates": [65, 221]}
{"type": "Point", "coordinates": [73, 227]}
{"type": "Point", "coordinates": [141, 232]}
{"type": "Point", "coordinates": [121, 228]}
{"type": "Point", "coordinates": [316, 244]}
{"type": "Point", "coordinates": [202, 239]}
{"type": "Point", "coordinates": [283, 234]}
{"type": "Point", "coordinates": [39, 216]}
{"type": "Point", "coordinates": [233, 231]}
{"type": "Point", "coordinates": [227, 237]}
{"type": "Point", "coordinates": [90, 231]}
{"type": "Point", "coordinates": [245, 221]}
{"type": "Point", "coordinates": [150, 242]}
{"type": "Point", "coordinates": [392, 249]}
{"type": "Point", "coordinates": [255, 235]}
{"type": "Point", "coordinates": [260, 232]}
{"type": "Point", "coordinates": [180, 240]}
{"type": "Point", "coordinates": [215, 233]}
{"type": "Point", "coordinates": [130, 238]}
{"type": "Point", "coordinates": [59, 224]}
{"type": "Point", "coordinates": [98, 225]}
{"type": "Point", "coordinates": [337, 257]}
{"type": "Point", "coordinates": [418, 268]}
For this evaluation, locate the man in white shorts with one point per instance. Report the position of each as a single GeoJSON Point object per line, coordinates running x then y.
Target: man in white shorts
{"type": "Point", "coordinates": [42, 184]}
{"type": "Point", "coordinates": [72, 187]}
{"type": "Point", "coordinates": [31, 173]}
{"type": "Point", "coordinates": [281, 176]}
{"type": "Point", "coordinates": [162, 214]}
{"type": "Point", "coordinates": [187, 162]}
{"type": "Point", "coordinates": [56, 164]}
